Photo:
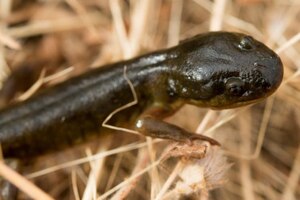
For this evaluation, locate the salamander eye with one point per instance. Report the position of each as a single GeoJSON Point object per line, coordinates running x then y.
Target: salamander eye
{"type": "Point", "coordinates": [247, 43]}
{"type": "Point", "coordinates": [235, 86]}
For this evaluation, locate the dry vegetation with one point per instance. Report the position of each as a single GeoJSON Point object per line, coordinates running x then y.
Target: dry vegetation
{"type": "Point", "coordinates": [45, 42]}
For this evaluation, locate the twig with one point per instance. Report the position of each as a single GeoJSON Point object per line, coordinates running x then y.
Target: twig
{"type": "Point", "coordinates": [217, 15]}
{"type": "Point", "coordinates": [131, 178]}
{"type": "Point", "coordinates": [175, 22]}
{"type": "Point", "coordinates": [74, 185]}
{"type": "Point", "coordinates": [95, 173]}
{"type": "Point", "coordinates": [128, 105]}
{"type": "Point", "coordinates": [289, 43]}
{"type": "Point", "coordinates": [245, 148]}
{"type": "Point", "coordinates": [125, 148]}
{"type": "Point", "coordinates": [23, 184]}
{"type": "Point", "coordinates": [293, 180]}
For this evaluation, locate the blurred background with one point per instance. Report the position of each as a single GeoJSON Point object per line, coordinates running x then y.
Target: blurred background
{"type": "Point", "coordinates": [44, 42]}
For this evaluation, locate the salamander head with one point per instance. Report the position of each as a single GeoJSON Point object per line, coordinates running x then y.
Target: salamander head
{"type": "Point", "coordinates": [224, 70]}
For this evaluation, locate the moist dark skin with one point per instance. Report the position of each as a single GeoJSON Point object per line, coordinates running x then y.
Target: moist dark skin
{"type": "Point", "coordinates": [215, 70]}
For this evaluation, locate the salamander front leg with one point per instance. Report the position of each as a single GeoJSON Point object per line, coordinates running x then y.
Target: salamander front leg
{"type": "Point", "coordinates": [150, 125]}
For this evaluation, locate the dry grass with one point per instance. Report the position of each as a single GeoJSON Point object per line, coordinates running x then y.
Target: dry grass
{"type": "Point", "coordinates": [262, 141]}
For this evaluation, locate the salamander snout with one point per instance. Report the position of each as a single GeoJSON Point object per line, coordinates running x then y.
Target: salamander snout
{"type": "Point", "coordinates": [255, 84]}
{"type": "Point", "coordinates": [258, 72]}
{"type": "Point", "coordinates": [271, 71]}
{"type": "Point", "coordinates": [252, 84]}
{"type": "Point", "coordinates": [257, 79]}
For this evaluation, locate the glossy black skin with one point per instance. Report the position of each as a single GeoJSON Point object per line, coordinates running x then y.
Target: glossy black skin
{"type": "Point", "coordinates": [216, 70]}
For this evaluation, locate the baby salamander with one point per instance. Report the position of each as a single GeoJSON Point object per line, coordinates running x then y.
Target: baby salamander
{"type": "Point", "coordinates": [215, 70]}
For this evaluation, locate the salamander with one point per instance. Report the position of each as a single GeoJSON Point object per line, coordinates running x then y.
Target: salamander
{"type": "Point", "coordinates": [216, 70]}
